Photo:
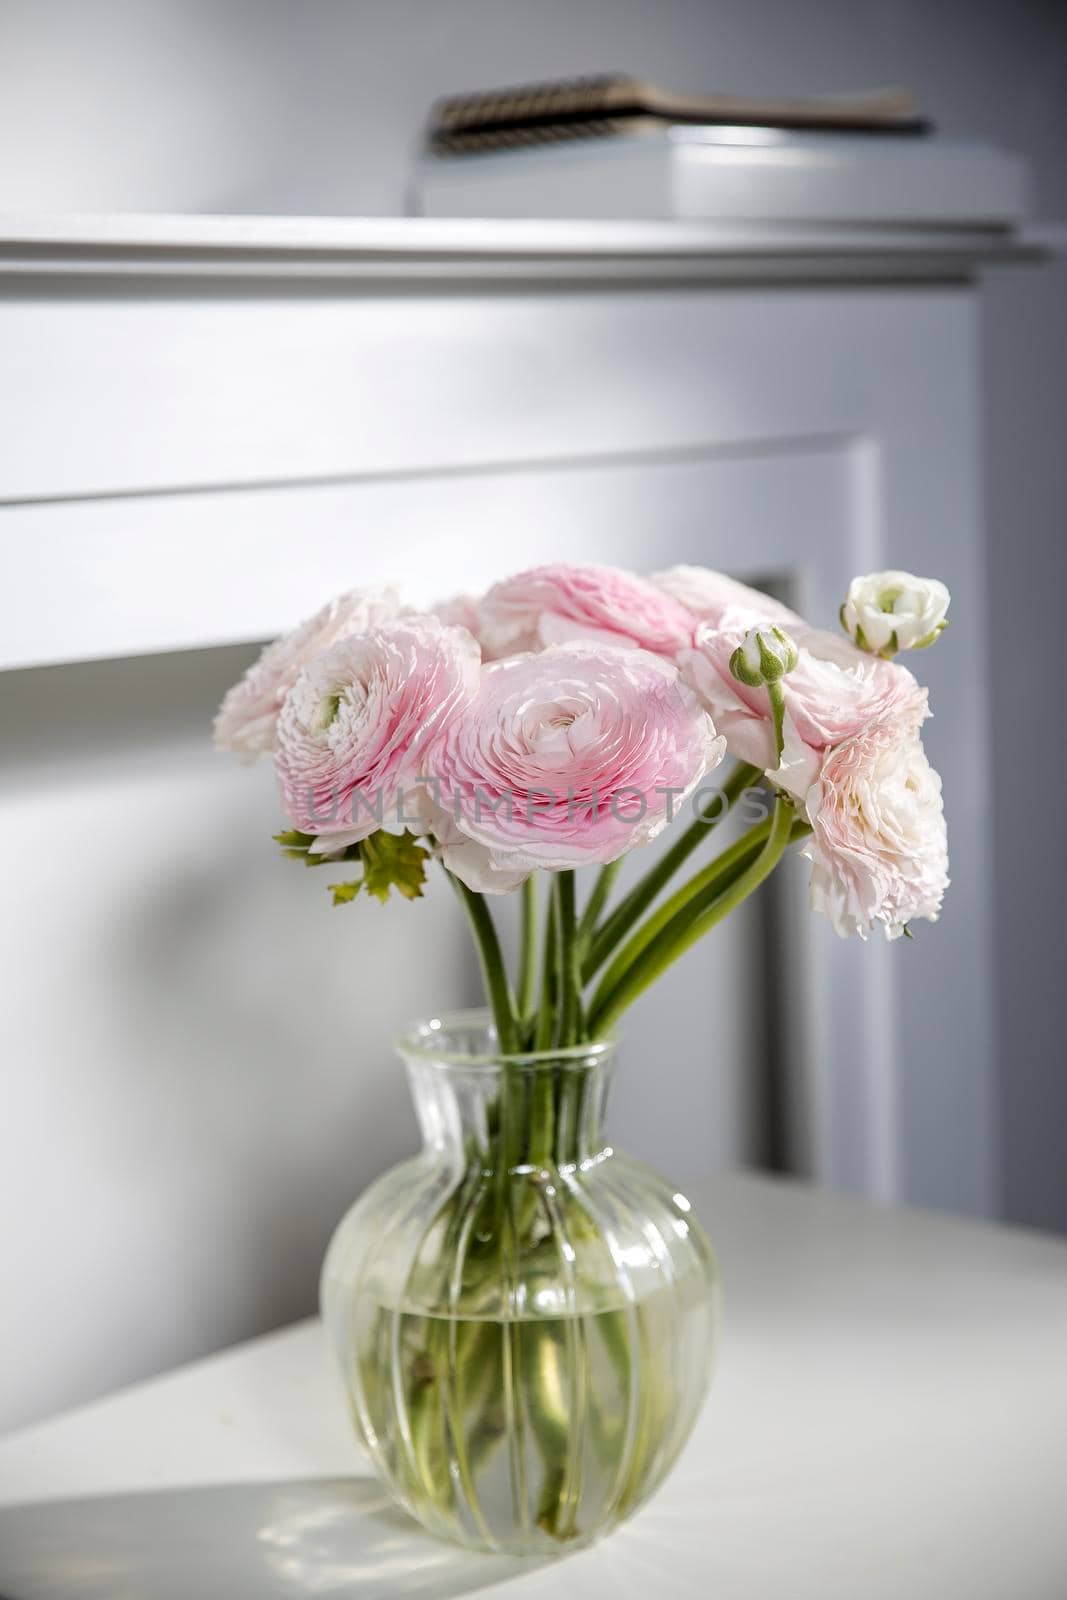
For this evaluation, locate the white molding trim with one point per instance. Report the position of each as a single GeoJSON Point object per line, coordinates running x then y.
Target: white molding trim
{"type": "Point", "coordinates": [398, 250]}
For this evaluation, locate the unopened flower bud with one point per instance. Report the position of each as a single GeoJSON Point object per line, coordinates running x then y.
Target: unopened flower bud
{"type": "Point", "coordinates": [764, 656]}
{"type": "Point", "coordinates": [762, 659]}
{"type": "Point", "coordinates": [889, 611]}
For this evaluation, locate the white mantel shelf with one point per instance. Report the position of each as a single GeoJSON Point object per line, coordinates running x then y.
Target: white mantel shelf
{"type": "Point", "coordinates": [432, 249]}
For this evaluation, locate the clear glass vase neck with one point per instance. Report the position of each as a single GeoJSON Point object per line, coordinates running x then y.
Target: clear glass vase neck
{"type": "Point", "coordinates": [476, 1106]}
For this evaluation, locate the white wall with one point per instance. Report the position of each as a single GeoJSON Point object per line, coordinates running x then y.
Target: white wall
{"type": "Point", "coordinates": [316, 105]}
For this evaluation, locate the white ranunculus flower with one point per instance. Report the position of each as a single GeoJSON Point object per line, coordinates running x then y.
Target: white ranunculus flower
{"type": "Point", "coordinates": [889, 611]}
{"type": "Point", "coordinates": [879, 848]}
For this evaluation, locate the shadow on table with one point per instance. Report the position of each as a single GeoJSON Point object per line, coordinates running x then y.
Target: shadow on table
{"type": "Point", "coordinates": [233, 1542]}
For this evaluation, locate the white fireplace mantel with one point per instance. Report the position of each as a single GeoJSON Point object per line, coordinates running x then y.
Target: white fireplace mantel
{"type": "Point", "coordinates": [209, 425]}
{"type": "Point", "coordinates": [423, 249]}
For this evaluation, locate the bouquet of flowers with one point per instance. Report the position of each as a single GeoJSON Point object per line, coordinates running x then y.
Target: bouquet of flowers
{"type": "Point", "coordinates": [563, 720]}
{"type": "Point", "coordinates": [515, 1313]}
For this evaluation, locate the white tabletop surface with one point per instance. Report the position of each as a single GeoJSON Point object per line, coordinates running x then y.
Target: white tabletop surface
{"type": "Point", "coordinates": [889, 1420]}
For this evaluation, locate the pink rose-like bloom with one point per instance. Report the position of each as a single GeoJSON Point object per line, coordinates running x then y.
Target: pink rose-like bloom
{"type": "Point", "coordinates": [459, 611]}
{"type": "Point", "coordinates": [708, 596]}
{"type": "Point", "coordinates": [833, 691]}
{"type": "Point", "coordinates": [358, 723]}
{"type": "Point", "coordinates": [572, 756]}
{"type": "Point", "coordinates": [465, 611]}
{"type": "Point", "coordinates": [469, 860]}
{"type": "Point", "coordinates": [555, 604]}
{"type": "Point", "coordinates": [879, 847]}
{"type": "Point", "coordinates": [248, 715]}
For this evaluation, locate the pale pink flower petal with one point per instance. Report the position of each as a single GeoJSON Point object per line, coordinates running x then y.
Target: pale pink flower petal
{"type": "Point", "coordinates": [833, 691]}
{"type": "Point", "coordinates": [709, 595]}
{"type": "Point", "coordinates": [248, 715]}
{"type": "Point", "coordinates": [360, 720]}
{"type": "Point", "coordinates": [551, 604]}
{"type": "Point", "coordinates": [474, 863]}
{"type": "Point", "coordinates": [879, 849]}
{"type": "Point", "coordinates": [573, 755]}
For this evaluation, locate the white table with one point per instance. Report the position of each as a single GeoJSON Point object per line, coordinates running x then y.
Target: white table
{"type": "Point", "coordinates": [889, 1420]}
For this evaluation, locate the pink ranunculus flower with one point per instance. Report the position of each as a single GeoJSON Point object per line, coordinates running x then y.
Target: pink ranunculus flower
{"type": "Point", "coordinates": [465, 611]}
{"type": "Point", "coordinates": [554, 604]}
{"type": "Point", "coordinates": [359, 722]}
{"type": "Point", "coordinates": [572, 756]}
{"type": "Point", "coordinates": [468, 859]}
{"type": "Point", "coordinates": [833, 691]}
{"type": "Point", "coordinates": [709, 595]}
{"type": "Point", "coordinates": [459, 611]}
{"type": "Point", "coordinates": [879, 847]}
{"type": "Point", "coordinates": [248, 715]}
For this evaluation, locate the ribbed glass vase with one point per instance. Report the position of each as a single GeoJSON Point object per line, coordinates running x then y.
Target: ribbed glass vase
{"type": "Point", "coordinates": [524, 1316]}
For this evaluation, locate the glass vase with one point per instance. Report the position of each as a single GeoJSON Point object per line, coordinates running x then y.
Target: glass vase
{"type": "Point", "coordinates": [524, 1316]}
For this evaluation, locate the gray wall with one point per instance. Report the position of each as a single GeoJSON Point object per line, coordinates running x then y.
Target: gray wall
{"type": "Point", "coordinates": [315, 105]}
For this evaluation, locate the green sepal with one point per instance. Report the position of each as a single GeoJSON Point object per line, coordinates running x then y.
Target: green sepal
{"type": "Point", "coordinates": [393, 861]}
{"type": "Point", "coordinates": [931, 638]}
{"type": "Point", "coordinates": [297, 846]}
{"type": "Point", "coordinates": [742, 671]}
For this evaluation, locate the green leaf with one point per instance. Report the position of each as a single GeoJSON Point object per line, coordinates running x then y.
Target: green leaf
{"type": "Point", "coordinates": [389, 861]}
{"type": "Point", "coordinates": [345, 892]}
{"type": "Point", "coordinates": [393, 861]}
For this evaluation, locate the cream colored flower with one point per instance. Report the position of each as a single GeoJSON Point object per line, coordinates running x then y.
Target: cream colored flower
{"type": "Point", "coordinates": [889, 611]}
{"type": "Point", "coordinates": [879, 848]}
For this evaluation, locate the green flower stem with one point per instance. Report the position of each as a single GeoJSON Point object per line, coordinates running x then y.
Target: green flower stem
{"type": "Point", "coordinates": [712, 877]}
{"type": "Point", "coordinates": [542, 1119]}
{"type": "Point", "coordinates": [685, 928]}
{"type": "Point", "coordinates": [641, 896]}
{"type": "Point", "coordinates": [546, 1017]}
{"type": "Point", "coordinates": [570, 978]}
{"type": "Point", "coordinates": [528, 952]}
{"type": "Point", "coordinates": [543, 1380]}
{"type": "Point", "coordinates": [598, 898]}
{"type": "Point", "coordinates": [447, 1343]}
{"type": "Point", "coordinates": [776, 694]}
{"type": "Point", "coordinates": [496, 980]}
{"type": "Point", "coordinates": [696, 896]}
